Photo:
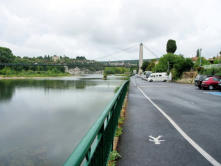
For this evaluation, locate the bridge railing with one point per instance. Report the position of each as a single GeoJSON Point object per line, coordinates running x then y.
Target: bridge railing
{"type": "Point", "coordinates": [96, 145]}
{"type": "Point", "coordinates": [30, 64]}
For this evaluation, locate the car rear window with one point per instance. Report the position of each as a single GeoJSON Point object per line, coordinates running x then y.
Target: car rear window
{"type": "Point", "coordinates": [215, 79]}
{"type": "Point", "coordinates": [207, 79]}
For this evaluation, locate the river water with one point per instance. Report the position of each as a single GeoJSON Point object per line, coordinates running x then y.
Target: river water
{"type": "Point", "coordinates": [42, 120]}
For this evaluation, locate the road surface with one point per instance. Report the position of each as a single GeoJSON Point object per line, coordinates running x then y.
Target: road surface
{"type": "Point", "coordinates": [170, 124]}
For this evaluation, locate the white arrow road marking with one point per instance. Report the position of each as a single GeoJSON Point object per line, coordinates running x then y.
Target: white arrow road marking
{"type": "Point", "coordinates": [156, 140]}
{"type": "Point", "coordinates": [192, 142]}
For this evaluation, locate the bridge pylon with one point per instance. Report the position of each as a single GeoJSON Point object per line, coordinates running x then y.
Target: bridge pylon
{"type": "Point", "coordinates": [140, 59]}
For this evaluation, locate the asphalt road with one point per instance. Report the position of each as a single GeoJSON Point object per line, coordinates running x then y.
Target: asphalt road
{"type": "Point", "coordinates": [187, 119]}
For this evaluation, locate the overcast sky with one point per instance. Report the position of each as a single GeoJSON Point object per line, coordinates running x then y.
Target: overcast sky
{"type": "Point", "coordinates": [100, 28]}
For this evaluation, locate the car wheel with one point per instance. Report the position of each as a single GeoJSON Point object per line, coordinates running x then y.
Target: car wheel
{"type": "Point", "coordinates": [151, 80]}
{"type": "Point", "coordinates": [210, 87]}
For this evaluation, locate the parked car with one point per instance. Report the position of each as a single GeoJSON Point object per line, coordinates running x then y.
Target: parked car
{"type": "Point", "coordinates": [219, 85]}
{"type": "Point", "coordinates": [199, 79]}
{"type": "Point", "coordinates": [158, 77]}
{"type": "Point", "coordinates": [211, 83]}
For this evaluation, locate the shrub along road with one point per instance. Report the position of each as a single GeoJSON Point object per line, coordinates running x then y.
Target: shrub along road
{"type": "Point", "coordinates": [170, 124]}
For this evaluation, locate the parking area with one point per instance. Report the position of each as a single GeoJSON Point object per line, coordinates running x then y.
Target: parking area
{"type": "Point", "coordinates": [214, 93]}
{"type": "Point", "coordinates": [213, 87]}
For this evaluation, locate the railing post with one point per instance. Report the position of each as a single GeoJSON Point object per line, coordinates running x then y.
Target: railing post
{"type": "Point", "coordinates": [88, 155]}
{"type": "Point", "coordinates": [101, 135]}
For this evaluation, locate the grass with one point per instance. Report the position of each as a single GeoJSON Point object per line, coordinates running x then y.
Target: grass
{"type": "Point", "coordinates": [121, 120]}
{"type": "Point", "coordinates": [114, 155]}
{"type": "Point", "coordinates": [119, 132]}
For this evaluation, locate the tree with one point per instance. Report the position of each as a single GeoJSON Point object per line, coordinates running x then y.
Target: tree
{"type": "Point", "coordinates": [151, 65]}
{"type": "Point", "coordinates": [6, 55]}
{"type": "Point", "coordinates": [171, 46]}
{"type": "Point", "coordinates": [188, 64]}
{"type": "Point", "coordinates": [203, 62]}
{"type": "Point", "coordinates": [80, 58]}
{"type": "Point", "coordinates": [165, 62]}
{"type": "Point", "coordinates": [144, 65]}
{"type": "Point", "coordinates": [115, 70]}
{"type": "Point", "coordinates": [175, 63]}
{"type": "Point", "coordinates": [198, 53]}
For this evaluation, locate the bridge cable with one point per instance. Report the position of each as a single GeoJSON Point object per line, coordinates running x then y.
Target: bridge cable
{"type": "Point", "coordinates": [149, 50]}
{"type": "Point", "coordinates": [117, 52]}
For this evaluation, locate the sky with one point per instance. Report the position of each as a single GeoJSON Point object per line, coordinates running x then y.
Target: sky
{"type": "Point", "coordinates": [109, 30]}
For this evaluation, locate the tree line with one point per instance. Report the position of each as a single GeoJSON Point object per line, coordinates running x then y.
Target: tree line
{"type": "Point", "coordinates": [34, 64]}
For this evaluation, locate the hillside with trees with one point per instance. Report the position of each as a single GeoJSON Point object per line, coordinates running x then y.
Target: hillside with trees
{"type": "Point", "coordinates": [42, 65]}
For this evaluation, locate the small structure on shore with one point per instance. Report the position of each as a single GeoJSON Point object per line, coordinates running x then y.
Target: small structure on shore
{"type": "Point", "coordinates": [75, 71]}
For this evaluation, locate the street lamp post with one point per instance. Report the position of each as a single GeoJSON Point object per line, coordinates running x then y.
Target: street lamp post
{"type": "Point", "coordinates": [200, 50]}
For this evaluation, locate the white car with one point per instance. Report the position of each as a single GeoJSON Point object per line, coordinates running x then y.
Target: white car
{"type": "Point", "coordinates": [158, 77]}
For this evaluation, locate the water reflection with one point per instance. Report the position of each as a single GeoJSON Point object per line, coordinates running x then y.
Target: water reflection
{"type": "Point", "coordinates": [6, 90]}
{"type": "Point", "coordinates": [7, 87]}
{"type": "Point", "coordinates": [43, 120]}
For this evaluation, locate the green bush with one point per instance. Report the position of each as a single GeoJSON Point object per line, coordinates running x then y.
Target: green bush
{"type": "Point", "coordinates": [177, 64]}
{"type": "Point", "coordinates": [119, 131]}
{"type": "Point", "coordinates": [52, 71]}
{"type": "Point", "coordinates": [6, 55]}
{"type": "Point", "coordinates": [114, 155]}
{"type": "Point", "coordinates": [145, 65]}
{"type": "Point", "coordinates": [121, 120]}
{"type": "Point", "coordinates": [203, 62]}
{"type": "Point", "coordinates": [116, 70]}
{"type": "Point", "coordinates": [211, 71]}
{"type": "Point", "coordinates": [7, 71]}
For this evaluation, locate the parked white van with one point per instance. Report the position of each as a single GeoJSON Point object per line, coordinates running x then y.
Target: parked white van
{"type": "Point", "coordinates": [158, 77]}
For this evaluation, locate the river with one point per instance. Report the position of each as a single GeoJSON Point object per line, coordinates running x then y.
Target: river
{"type": "Point", "coordinates": [42, 120]}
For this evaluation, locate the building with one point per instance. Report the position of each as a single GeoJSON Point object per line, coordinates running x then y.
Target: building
{"type": "Point", "coordinates": [194, 59]}
{"type": "Point", "coordinates": [55, 58]}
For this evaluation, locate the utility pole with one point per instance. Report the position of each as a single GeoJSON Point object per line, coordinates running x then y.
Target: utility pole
{"type": "Point", "coordinates": [168, 69]}
{"type": "Point", "coordinates": [200, 50]}
{"type": "Point", "coordinates": [140, 58]}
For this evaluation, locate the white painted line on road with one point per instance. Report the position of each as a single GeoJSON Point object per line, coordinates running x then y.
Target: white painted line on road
{"type": "Point", "coordinates": [192, 142]}
{"type": "Point", "coordinates": [152, 86]}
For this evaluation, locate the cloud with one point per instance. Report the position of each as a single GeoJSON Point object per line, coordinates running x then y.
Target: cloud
{"type": "Point", "coordinates": [99, 28]}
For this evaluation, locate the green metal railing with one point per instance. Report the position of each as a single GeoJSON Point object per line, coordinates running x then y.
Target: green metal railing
{"type": "Point", "coordinates": [96, 145]}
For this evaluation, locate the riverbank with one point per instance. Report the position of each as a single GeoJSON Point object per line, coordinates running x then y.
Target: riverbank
{"type": "Point", "coordinates": [31, 77]}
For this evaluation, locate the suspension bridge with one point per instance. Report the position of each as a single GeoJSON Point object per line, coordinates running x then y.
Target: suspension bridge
{"type": "Point", "coordinates": [129, 54]}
